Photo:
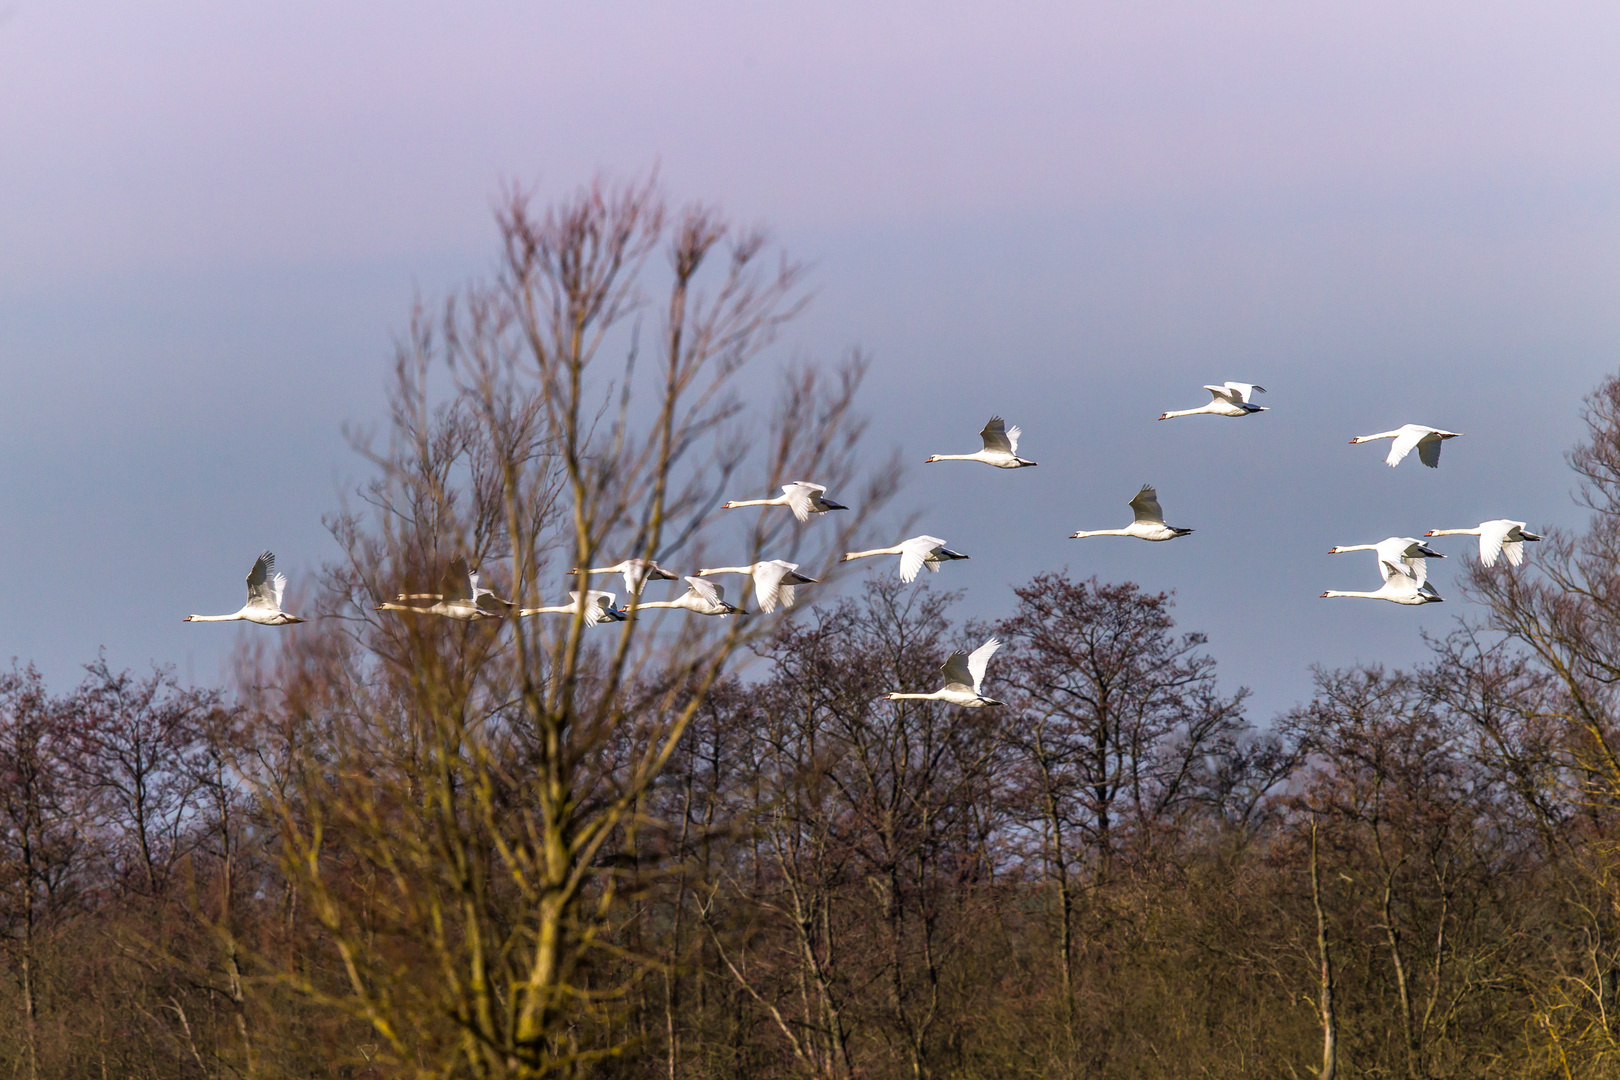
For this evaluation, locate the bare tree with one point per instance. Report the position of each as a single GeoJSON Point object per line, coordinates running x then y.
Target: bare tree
{"type": "Point", "coordinates": [466, 820]}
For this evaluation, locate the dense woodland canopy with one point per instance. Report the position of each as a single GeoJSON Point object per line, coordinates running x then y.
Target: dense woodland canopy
{"type": "Point", "coordinates": [403, 847]}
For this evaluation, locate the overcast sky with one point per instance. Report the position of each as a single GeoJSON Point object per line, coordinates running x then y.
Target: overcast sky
{"type": "Point", "coordinates": [214, 218]}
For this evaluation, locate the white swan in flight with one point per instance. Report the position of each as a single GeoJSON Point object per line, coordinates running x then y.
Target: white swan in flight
{"type": "Point", "coordinates": [1498, 537]}
{"type": "Point", "coordinates": [1148, 525]}
{"type": "Point", "coordinates": [264, 589]}
{"type": "Point", "coordinates": [964, 674]}
{"type": "Point", "coordinates": [1227, 399]}
{"type": "Point", "coordinates": [916, 553]}
{"type": "Point", "coordinates": [773, 581]}
{"type": "Point", "coordinates": [1399, 588]}
{"type": "Point", "coordinates": [801, 496]}
{"type": "Point", "coordinates": [1426, 440]}
{"type": "Point", "coordinates": [702, 596]}
{"type": "Point", "coordinates": [459, 597]}
{"type": "Point", "coordinates": [637, 572]}
{"type": "Point", "coordinates": [1000, 448]}
{"type": "Point", "coordinates": [1398, 555]}
{"type": "Point", "coordinates": [598, 608]}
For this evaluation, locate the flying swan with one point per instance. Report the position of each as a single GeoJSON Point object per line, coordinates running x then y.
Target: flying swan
{"type": "Point", "coordinates": [1498, 537]}
{"type": "Point", "coordinates": [1000, 448]}
{"type": "Point", "coordinates": [801, 496]}
{"type": "Point", "coordinates": [598, 608]}
{"type": "Point", "coordinates": [1398, 555]}
{"type": "Point", "coordinates": [637, 572]}
{"type": "Point", "coordinates": [702, 596]}
{"type": "Point", "coordinates": [964, 674]}
{"type": "Point", "coordinates": [459, 597]}
{"type": "Point", "coordinates": [916, 553]}
{"type": "Point", "coordinates": [773, 581]}
{"type": "Point", "coordinates": [1149, 523]}
{"type": "Point", "coordinates": [1399, 588]}
{"type": "Point", "coordinates": [264, 589]}
{"type": "Point", "coordinates": [1427, 440]}
{"type": "Point", "coordinates": [1227, 399]}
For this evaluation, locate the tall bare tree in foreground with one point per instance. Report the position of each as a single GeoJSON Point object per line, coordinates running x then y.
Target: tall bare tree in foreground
{"type": "Point", "coordinates": [464, 812]}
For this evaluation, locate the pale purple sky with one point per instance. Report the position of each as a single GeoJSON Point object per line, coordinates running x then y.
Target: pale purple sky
{"type": "Point", "coordinates": [215, 217]}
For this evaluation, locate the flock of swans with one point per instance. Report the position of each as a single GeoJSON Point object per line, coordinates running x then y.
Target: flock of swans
{"type": "Point", "coordinates": [1402, 560]}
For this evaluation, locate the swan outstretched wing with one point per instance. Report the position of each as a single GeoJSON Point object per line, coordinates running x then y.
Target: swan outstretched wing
{"type": "Point", "coordinates": [801, 497]}
{"type": "Point", "coordinates": [598, 605]}
{"type": "Point", "coordinates": [262, 588]}
{"type": "Point", "coordinates": [458, 580]}
{"type": "Point", "coordinates": [958, 675]}
{"type": "Point", "coordinates": [1224, 393]}
{"type": "Point", "coordinates": [768, 587]}
{"type": "Point", "coordinates": [1146, 506]}
{"type": "Point", "coordinates": [997, 439]}
{"type": "Point", "coordinates": [1492, 538]}
{"type": "Point", "coordinates": [914, 556]}
{"type": "Point", "coordinates": [979, 659]}
{"type": "Point", "coordinates": [1245, 391]}
{"type": "Point", "coordinates": [1403, 445]}
{"type": "Point", "coordinates": [707, 590]}
{"type": "Point", "coordinates": [1428, 449]}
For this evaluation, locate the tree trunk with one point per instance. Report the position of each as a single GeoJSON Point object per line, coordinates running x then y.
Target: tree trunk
{"type": "Point", "coordinates": [1330, 1022]}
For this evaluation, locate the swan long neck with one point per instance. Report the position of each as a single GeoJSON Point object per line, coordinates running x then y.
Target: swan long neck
{"type": "Point", "coordinates": [384, 606]}
{"type": "Point", "coordinates": [237, 617]}
{"type": "Point", "coordinates": [735, 503]}
{"type": "Point", "coordinates": [958, 457]}
{"type": "Point", "coordinates": [1353, 547]}
{"type": "Point", "coordinates": [726, 570]}
{"type": "Point", "coordinates": [1364, 595]}
{"type": "Point", "coordinates": [915, 697]}
{"type": "Point", "coordinates": [1454, 532]}
{"type": "Point", "coordinates": [1098, 532]}
{"type": "Point", "coordinates": [1380, 435]}
{"type": "Point", "coordinates": [1184, 412]}
{"type": "Point", "coordinates": [658, 603]}
{"type": "Point", "coordinates": [875, 551]}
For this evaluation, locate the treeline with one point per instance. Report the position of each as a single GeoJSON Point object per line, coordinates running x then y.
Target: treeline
{"type": "Point", "coordinates": [1113, 876]}
{"type": "Point", "coordinates": [405, 846]}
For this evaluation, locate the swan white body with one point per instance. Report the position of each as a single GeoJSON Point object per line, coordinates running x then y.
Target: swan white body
{"type": "Point", "coordinates": [916, 553]}
{"type": "Point", "coordinates": [1496, 537]}
{"type": "Point", "coordinates": [459, 597]}
{"type": "Point", "coordinates": [702, 596]}
{"type": "Point", "coordinates": [264, 590]}
{"type": "Point", "coordinates": [964, 675]}
{"type": "Point", "coordinates": [773, 581]}
{"type": "Point", "coordinates": [1227, 399]}
{"type": "Point", "coordinates": [1148, 524]}
{"type": "Point", "coordinates": [637, 572]}
{"type": "Point", "coordinates": [1408, 437]}
{"type": "Point", "coordinates": [801, 496]}
{"type": "Point", "coordinates": [1397, 555]}
{"type": "Point", "coordinates": [598, 608]}
{"type": "Point", "coordinates": [1000, 448]}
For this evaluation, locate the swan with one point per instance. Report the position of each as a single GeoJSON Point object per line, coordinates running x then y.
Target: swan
{"type": "Point", "coordinates": [964, 674]}
{"type": "Point", "coordinates": [1427, 440]}
{"type": "Point", "coordinates": [263, 606]}
{"type": "Point", "coordinates": [702, 596]}
{"type": "Point", "coordinates": [801, 496]}
{"type": "Point", "coordinates": [637, 572]}
{"type": "Point", "coordinates": [1398, 588]}
{"type": "Point", "coordinates": [598, 608]}
{"type": "Point", "coordinates": [1000, 448]}
{"type": "Point", "coordinates": [1398, 554]}
{"type": "Point", "coordinates": [1227, 399]}
{"type": "Point", "coordinates": [459, 597]}
{"type": "Point", "coordinates": [1149, 523]}
{"type": "Point", "coordinates": [1498, 537]}
{"type": "Point", "coordinates": [773, 581]}
{"type": "Point", "coordinates": [916, 553]}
